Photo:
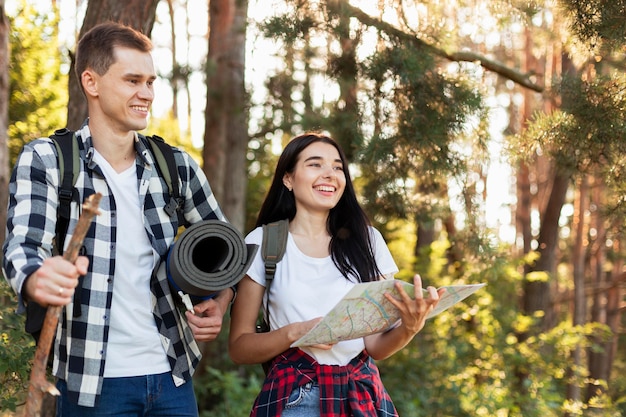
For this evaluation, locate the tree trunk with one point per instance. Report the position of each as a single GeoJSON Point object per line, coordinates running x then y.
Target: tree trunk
{"type": "Point", "coordinates": [605, 302]}
{"type": "Point", "coordinates": [537, 293]}
{"type": "Point", "coordinates": [236, 179]}
{"type": "Point", "coordinates": [226, 132]}
{"type": "Point", "coordinates": [221, 17]}
{"type": "Point", "coordinates": [139, 14]}
{"type": "Point", "coordinates": [346, 126]}
{"type": "Point", "coordinates": [523, 207]}
{"type": "Point", "coordinates": [614, 309]}
{"type": "Point", "coordinates": [226, 120]}
{"type": "Point", "coordinates": [176, 73]}
{"type": "Point", "coordinates": [517, 124]}
{"type": "Point", "coordinates": [578, 269]}
{"type": "Point", "coordinates": [4, 118]}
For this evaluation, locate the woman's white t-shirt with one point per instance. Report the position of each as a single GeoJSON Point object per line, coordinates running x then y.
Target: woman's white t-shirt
{"type": "Point", "coordinates": [305, 288]}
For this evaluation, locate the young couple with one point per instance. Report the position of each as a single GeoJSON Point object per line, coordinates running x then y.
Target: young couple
{"type": "Point", "coordinates": [130, 351]}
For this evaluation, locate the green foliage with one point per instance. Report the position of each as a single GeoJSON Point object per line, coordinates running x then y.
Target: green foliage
{"type": "Point", "coordinates": [169, 129]}
{"type": "Point", "coordinates": [261, 164]}
{"type": "Point", "coordinates": [401, 239]}
{"type": "Point", "coordinates": [17, 350]}
{"type": "Point", "coordinates": [288, 28]}
{"type": "Point", "coordinates": [465, 361]}
{"type": "Point", "coordinates": [597, 23]}
{"type": "Point", "coordinates": [588, 136]}
{"type": "Point", "coordinates": [38, 77]}
{"type": "Point", "coordinates": [405, 163]}
{"type": "Point", "coordinates": [592, 121]}
{"type": "Point", "coordinates": [234, 392]}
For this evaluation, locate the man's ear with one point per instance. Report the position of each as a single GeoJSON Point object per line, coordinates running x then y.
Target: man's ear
{"type": "Point", "coordinates": [89, 81]}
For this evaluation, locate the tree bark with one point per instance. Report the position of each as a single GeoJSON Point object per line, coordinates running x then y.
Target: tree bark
{"type": "Point", "coordinates": [4, 118]}
{"type": "Point", "coordinates": [605, 301]}
{"type": "Point", "coordinates": [346, 127]}
{"type": "Point", "coordinates": [578, 269]}
{"type": "Point", "coordinates": [226, 129]}
{"type": "Point", "coordinates": [226, 120]}
{"type": "Point", "coordinates": [139, 14]}
{"type": "Point", "coordinates": [176, 73]}
{"type": "Point", "coordinates": [537, 293]}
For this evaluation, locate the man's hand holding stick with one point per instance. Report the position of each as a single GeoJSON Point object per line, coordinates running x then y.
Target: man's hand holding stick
{"type": "Point", "coordinates": [39, 384]}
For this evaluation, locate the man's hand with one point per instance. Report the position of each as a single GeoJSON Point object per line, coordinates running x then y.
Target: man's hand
{"type": "Point", "coordinates": [206, 320]}
{"type": "Point", "coordinates": [55, 280]}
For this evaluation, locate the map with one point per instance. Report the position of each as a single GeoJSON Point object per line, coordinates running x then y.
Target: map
{"type": "Point", "coordinates": [364, 310]}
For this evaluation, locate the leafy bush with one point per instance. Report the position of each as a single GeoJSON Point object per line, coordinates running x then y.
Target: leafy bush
{"type": "Point", "coordinates": [232, 392]}
{"type": "Point", "coordinates": [17, 350]}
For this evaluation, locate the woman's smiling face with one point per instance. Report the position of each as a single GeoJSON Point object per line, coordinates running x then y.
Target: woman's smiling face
{"type": "Point", "coordinates": [318, 179]}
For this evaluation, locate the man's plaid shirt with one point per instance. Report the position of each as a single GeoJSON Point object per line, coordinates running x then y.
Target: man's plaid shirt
{"type": "Point", "coordinates": [81, 342]}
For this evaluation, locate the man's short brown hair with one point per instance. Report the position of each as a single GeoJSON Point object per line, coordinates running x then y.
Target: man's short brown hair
{"type": "Point", "coordinates": [96, 48]}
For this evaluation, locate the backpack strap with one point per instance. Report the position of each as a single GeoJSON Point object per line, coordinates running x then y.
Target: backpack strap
{"type": "Point", "coordinates": [273, 246]}
{"type": "Point", "coordinates": [168, 169]}
{"type": "Point", "coordinates": [69, 168]}
{"type": "Point", "coordinates": [69, 160]}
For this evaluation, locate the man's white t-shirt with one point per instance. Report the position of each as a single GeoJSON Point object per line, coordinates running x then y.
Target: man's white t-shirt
{"type": "Point", "coordinates": [305, 288]}
{"type": "Point", "coordinates": [134, 346]}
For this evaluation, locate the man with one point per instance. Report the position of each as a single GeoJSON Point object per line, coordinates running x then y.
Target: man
{"type": "Point", "coordinates": [122, 347]}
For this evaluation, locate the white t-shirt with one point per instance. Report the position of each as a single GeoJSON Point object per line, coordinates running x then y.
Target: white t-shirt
{"type": "Point", "coordinates": [134, 346]}
{"type": "Point", "coordinates": [305, 288]}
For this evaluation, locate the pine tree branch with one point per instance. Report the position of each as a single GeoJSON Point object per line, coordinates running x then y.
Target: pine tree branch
{"type": "Point", "coordinates": [523, 79]}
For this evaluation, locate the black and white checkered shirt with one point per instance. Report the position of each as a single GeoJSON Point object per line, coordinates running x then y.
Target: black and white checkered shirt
{"type": "Point", "coordinates": [81, 342]}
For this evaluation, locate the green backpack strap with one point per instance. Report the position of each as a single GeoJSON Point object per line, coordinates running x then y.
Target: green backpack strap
{"type": "Point", "coordinates": [273, 246]}
{"type": "Point", "coordinates": [69, 162]}
{"type": "Point", "coordinates": [166, 164]}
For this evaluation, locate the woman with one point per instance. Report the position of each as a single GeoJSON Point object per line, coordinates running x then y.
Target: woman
{"type": "Point", "coordinates": [331, 246]}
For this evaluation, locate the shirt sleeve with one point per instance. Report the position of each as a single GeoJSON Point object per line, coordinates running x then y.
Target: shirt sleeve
{"type": "Point", "coordinates": [257, 269]}
{"type": "Point", "coordinates": [31, 213]}
{"type": "Point", "coordinates": [200, 202]}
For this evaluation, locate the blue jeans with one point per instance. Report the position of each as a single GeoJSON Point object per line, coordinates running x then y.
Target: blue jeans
{"type": "Point", "coordinates": [137, 396]}
{"type": "Point", "coordinates": [303, 402]}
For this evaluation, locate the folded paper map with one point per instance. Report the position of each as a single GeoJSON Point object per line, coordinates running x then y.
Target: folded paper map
{"type": "Point", "coordinates": [364, 310]}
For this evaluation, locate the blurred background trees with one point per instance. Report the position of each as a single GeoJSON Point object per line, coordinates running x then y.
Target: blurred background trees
{"type": "Point", "coordinates": [487, 142]}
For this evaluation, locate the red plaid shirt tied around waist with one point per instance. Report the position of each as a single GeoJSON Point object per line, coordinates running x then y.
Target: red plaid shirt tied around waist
{"type": "Point", "coordinates": [352, 390]}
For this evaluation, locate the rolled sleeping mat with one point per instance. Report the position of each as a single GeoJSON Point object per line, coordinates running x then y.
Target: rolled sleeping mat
{"type": "Point", "coordinates": [208, 257]}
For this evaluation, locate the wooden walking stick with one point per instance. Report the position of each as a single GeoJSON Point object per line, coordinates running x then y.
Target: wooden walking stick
{"type": "Point", "coordinates": [39, 384]}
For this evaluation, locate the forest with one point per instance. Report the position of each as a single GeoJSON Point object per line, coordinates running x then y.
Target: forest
{"type": "Point", "coordinates": [487, 141]}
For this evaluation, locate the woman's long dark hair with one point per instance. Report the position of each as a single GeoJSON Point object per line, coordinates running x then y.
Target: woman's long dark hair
{"type": "Point", "coordinates": [351, 244]}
